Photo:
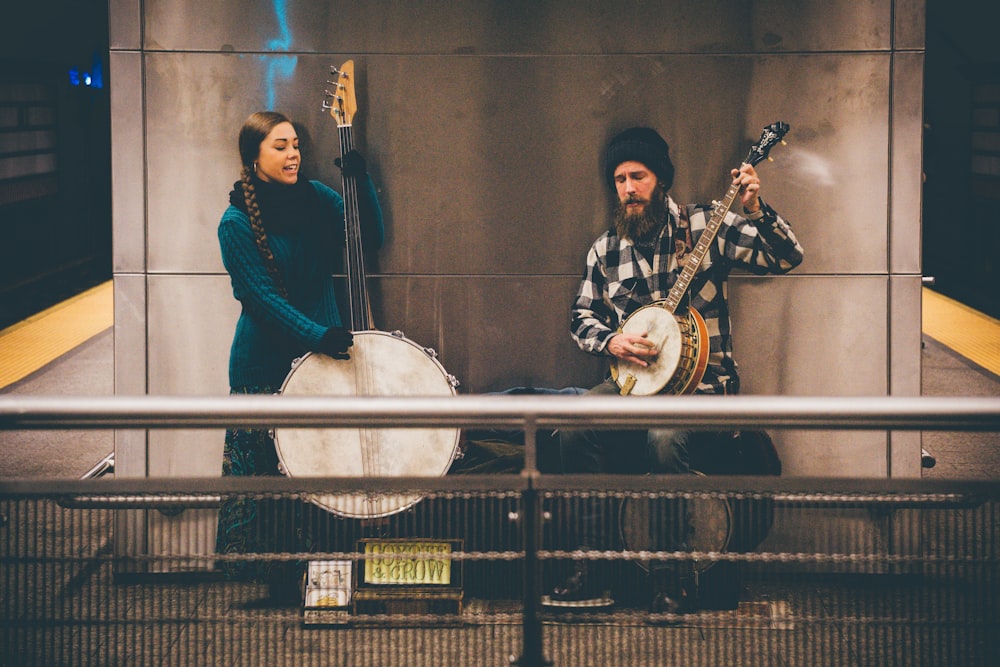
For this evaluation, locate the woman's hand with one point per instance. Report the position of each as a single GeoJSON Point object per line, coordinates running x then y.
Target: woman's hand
{"type": "Point", "coordinates": [336, 341]}
{"type": "Point", "coordinates": [353, 165]}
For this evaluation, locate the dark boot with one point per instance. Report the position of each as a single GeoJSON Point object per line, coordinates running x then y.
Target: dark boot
{"type": "Point", "coordinates": [285, 584]}
{"type": "Point", "coordinates": [578, 590]}
{"type": "Point", "coordinates": [674, 594]}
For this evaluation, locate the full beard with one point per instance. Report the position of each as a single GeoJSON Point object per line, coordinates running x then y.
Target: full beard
{"type": "Point", "coordinates": [642, 226]}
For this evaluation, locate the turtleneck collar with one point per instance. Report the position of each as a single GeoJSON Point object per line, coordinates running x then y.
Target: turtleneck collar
{"type": "Point", "coordinates": [283, 208]}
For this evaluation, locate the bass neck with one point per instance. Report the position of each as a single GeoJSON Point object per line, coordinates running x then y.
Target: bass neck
{"type": "Point", "coordinates": [357, 282]}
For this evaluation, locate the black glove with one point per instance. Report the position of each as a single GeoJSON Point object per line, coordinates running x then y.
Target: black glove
{"type": "Point", "coordinates": [353, 165]}
{"type": "Point", "coordinates": [335, 342]}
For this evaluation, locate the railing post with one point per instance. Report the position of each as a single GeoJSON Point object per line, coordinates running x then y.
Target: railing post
{"type": "Point", "coordinates": [531, 526]}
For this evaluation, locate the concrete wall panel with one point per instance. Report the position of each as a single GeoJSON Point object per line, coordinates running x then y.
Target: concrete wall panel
{"type": "Point", "coordinates": [483, 123]}
{"type": "Point", "coordinates": [470, 27]}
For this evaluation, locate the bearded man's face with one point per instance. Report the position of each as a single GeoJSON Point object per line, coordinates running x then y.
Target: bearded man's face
{"type": "Point", "coordinates": [641, 207]}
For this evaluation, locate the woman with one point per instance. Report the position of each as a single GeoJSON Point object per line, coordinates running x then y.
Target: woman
{"type": "Point", "coordinates": [280, 237]}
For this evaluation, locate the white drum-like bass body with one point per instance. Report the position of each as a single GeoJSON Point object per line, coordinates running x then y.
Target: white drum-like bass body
{"type": "Point", "coordinates": [381, 364]}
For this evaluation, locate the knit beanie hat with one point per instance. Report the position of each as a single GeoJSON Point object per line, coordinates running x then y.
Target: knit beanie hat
{"type": "Point", "coordinates": [644, 145]}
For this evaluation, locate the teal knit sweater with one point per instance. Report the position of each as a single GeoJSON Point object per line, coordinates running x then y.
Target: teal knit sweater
{"type": "Point", "coordinates": [272, 331]}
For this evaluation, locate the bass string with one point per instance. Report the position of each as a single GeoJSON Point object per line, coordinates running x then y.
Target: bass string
{"type": "Point", "coordinates": [357, 293]}
{"type": "Point", "coordinates": [364, 378]}
{"type": "Point", "coordinates": [357, 288]}
{"type": "Point", "coordinates": [369, 438]}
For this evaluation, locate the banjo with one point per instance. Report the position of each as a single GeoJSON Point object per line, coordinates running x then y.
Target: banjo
{"type": "Point", "coordinates": [381, 364]}
{"type": "Point", "coordinates": [681, 338]}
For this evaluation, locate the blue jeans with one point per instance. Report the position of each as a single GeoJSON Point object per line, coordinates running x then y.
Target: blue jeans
{"type": "Point", "coordinates": [639, 451]}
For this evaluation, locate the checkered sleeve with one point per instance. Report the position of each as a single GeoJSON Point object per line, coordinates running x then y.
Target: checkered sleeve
{"type": "Point", "coordinates": [593, 316]}
{"type": "Point", "coordinates": [766, 245]}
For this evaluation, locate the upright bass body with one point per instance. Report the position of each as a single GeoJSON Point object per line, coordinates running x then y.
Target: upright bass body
{"type": "Point", "coordinates": [381, 364]}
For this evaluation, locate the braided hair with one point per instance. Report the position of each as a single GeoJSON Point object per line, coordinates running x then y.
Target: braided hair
{"type": "Point", "coordinates": [255, 129]}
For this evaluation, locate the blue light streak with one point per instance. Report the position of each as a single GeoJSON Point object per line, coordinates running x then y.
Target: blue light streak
{"type": "Point", "coordinates": [278, 67]}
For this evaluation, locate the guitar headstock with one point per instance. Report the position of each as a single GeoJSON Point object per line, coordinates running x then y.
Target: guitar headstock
{"type": "Point", "coordinates": [341, 102]}
{"type": "Point", "coordinates": [771, 135]}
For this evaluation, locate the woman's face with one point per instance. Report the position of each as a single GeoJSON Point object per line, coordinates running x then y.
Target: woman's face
{"type": "Point", "coordinates": [278, 158]}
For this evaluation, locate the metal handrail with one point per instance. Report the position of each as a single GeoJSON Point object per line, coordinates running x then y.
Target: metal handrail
{"type": "Point", "coordinates": [527, 412]}
{"type": "Point", "coordinates": [513, 411]}
{"type": "Point", "coordinates": [530, 413]}
{"type": "Point", "coordinates": [105, 466]}
{"type": "Point", "coordinates": [789, 489]}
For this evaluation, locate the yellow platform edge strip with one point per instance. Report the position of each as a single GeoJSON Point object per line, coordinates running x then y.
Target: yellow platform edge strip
{"type": "Point", "coordinates": [970, 333]}
{"type": "Point", "coordinates": [29, 345]}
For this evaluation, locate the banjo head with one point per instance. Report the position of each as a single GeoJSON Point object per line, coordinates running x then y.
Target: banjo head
{"type": "Point", "coordinates": [381, 364]}
{"type": "Point", "coordinates": [662, 329]}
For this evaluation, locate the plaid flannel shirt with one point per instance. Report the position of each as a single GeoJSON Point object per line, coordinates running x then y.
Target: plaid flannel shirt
{"type": "Point", "coordinates": [621, 277]}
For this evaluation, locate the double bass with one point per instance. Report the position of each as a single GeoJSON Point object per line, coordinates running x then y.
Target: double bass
{"type": "Point", "coordinates": [381, 364]}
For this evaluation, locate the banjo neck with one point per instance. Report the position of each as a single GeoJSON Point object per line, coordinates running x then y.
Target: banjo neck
{"type": "Point", "coordinates": [771, 135]}
{"type": "Point", "coordinates": [694, 260]}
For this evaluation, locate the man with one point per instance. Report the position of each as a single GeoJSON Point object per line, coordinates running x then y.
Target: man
{"type": "Point", "coordinates": [632, 264]}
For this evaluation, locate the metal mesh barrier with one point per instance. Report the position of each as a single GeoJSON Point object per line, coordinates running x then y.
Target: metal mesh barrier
{"type": "Point", "coordinates": [782, 572]}
{"type": "Point", "coordinates": [769, 570]}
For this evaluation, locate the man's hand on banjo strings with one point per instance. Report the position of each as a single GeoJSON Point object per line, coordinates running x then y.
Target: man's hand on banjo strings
{"type": "Point", "coordinates": [637, 349]}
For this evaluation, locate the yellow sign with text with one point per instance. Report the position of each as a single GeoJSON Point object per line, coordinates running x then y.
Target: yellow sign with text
{"type": "Point", "coordinates": [409, 563]}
